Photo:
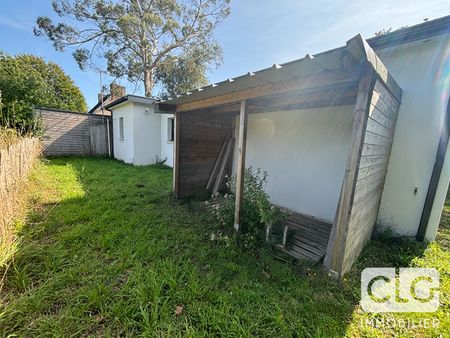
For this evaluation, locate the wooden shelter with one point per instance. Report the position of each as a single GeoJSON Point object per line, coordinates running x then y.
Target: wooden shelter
{"type": "Point", "coordinates": [349, 76]}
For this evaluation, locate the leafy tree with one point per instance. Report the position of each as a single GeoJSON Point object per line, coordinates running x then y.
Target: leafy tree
{"type": "Point", "coordinates": [27, 81]}
{"type": "Point", "coordinates": [169, 42]}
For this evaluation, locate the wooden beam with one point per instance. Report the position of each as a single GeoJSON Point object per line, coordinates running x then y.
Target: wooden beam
{"type": "Point", "coordinates": [435, 176]}
{"type": "Point", "coordinates": [176, 154]}
{"type": "Point", "coordinates": [328, 96]}
{"type": "Point", "coordinates": [242, 143]}
{"type": "Point", "coordinates": [217, 163]}
{"type": "Point", "coordinates": [221, 172]}
{"type": "Point", "coordinates": [342, 94]}
{"type": "Point", "coordinates": [337, 243]}
{"type": "Point", "coordinates": [298, 83]}
{"type": "Point", "coordinates": [361, 50]}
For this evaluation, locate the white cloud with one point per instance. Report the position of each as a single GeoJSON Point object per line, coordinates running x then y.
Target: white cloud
{"type": "Point", "coordinates": [15, 24]}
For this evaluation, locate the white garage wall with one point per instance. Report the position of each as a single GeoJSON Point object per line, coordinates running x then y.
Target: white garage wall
{"type": "Point", "coordinates": [304, 153]}
{"type": "Point", "coordinates": [422, 71]}
{"type": "Point", "coordinates": [123, 149]}
{"type": "Point", "coordinates": [166, 145]}
{"type": "Point", "coordinates": [147, 134]}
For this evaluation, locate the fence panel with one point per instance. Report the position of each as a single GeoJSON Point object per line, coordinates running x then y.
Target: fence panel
{"type": "Point", "coordinates": [15, 164]}
{"type": "Point", "coordinates": [74, 134]}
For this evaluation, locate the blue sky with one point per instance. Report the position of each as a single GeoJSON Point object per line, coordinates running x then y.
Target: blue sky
{"type": "Point", "coordinates": [257, 34]}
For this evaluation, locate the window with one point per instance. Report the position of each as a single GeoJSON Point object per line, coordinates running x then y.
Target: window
{"type": "Point", "coordinates": [121, 128]}
{"type": "Point", "coordinates": [170, 129]}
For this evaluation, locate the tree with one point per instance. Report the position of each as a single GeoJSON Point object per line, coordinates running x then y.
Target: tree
{"type": "Point", "coordinates": [169, 42]}
{"type": "Point", "coordinates": [27, 81]}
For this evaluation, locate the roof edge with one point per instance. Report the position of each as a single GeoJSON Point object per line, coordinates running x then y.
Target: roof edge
{"type": "Point", "coordinates": [98, 104]}
{"type": "Point", "coordinates": [362, 51]}
{"type": "Point", "coordinates": [421, 31]}
{"type": "Point", "coordinates": [131, 98]}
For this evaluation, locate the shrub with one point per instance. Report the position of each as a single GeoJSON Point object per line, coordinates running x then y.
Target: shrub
{"type": "Point", "coordinates": [28, 81]}
{"type": "Point", "coordinates": [256, 211]}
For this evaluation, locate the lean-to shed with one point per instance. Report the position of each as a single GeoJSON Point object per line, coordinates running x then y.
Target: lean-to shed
{"type": "Point", "coordinates": [324, 128]}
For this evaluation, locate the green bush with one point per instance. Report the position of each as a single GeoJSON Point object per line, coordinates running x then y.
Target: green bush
{"type": "Point", "coordinates": [28, 81]}
{"type": "Point", "coordinates": [256, 212]}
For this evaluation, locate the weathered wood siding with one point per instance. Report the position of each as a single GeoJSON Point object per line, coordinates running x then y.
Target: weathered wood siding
{"type": "Point", "coordinates": [74, 134]}
{"type": "Point", "coordinates": [16, 162]}
{"type": "Point", "coordinates": [201, 135]}
{"type": "Point", "coordinates": [371, 174]}
{"type": "Point", "coordinates": [99, 139]}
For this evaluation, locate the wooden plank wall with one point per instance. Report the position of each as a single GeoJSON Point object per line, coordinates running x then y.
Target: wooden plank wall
{"type": "Point", "coordinates": [99, 139]}
{"type": "Point", "coordinates": [201, 135]}
{"type": "Point", "coordinates": [16, 162]}
{"type": "Point", "coordinates": [74, 134]}
{"type": "Point", "coordinates": [379, 135]}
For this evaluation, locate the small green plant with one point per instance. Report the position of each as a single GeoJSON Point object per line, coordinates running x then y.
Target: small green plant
{"type": "Point", "coordinates": [257, 211]}
{"type": "Point", "coordinates": [160, 161]}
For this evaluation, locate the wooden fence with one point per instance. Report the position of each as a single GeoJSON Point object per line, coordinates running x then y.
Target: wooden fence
{"type": "Point", "coordinates": [15, 164]}
{"type": "Point", "coordinates": [75, 134]}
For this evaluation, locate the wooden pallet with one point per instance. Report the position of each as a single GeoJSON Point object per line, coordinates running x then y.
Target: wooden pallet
{"type": "Point", "coordinates": [305, 237]}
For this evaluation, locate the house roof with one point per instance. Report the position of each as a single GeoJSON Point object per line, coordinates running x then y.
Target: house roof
{"type": "Point", "coordinates": [325, 61]}
{"type": "Point", "coordinates": [283, 72]}
{"type": "Point", "coordinates": [98, 104]}
{"type": "Point", "coordinates": [424, 30]}
{"type": "Point", "coordinates": [131, 98]}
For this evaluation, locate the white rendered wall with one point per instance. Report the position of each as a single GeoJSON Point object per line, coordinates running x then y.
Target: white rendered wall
{"type": "Point", "coordinates": [304, 153]}
{"type": "Point", "coordinates": [166, 145]}
{"type": "Point", "coordinates": [123, 149]}
{"type": "Point", "coordinates": [423, 72]}
{"type": "Point", "coordinates": [147, 134]}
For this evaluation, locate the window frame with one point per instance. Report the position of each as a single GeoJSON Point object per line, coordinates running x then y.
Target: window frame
{"type": "Point", "coordinates": [170, 129]}
{"type": "Point", "coordinates": [121, 129]}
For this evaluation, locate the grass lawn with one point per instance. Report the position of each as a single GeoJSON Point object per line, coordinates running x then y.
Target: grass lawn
{"type": "Point", "coordinates": [105, 251]}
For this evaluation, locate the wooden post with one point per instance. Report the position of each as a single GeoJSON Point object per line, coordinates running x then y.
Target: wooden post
{"type": "Point", "coordinates": [285, 233]}
{"type": "Point", "coordinates": [242, 142]}
{"type": "Point", "coordinates": [337, 242]}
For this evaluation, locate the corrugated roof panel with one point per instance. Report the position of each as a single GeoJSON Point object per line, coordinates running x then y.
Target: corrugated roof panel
{"type": "Point", "coordinates": [294, 69]}
{"type": "Point", "coordinates": [328, 60]}
{"type": "Point", "coordinates": [242, 82]}
{"type": "Point", "coordinates": [306, 67]}
{"type": "Point", "coordinates": [331, 61]}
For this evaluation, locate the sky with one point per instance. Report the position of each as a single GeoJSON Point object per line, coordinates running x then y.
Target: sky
{"type": "Point", "coordinates": [257, 34]}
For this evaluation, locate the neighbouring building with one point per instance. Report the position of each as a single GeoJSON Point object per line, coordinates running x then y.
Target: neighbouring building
{"type": "Point", "coordinates": [141, 134]}
{"type": "Point", "coordinates": [115, 92]}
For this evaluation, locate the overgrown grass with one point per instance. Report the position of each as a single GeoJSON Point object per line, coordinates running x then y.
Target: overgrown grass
{"type": "Point", "coordinates": [105, 251]}
{"type": "Point", "coordinates": [7, 137]}
{"type": "Point", "coordinates": [12, 207]}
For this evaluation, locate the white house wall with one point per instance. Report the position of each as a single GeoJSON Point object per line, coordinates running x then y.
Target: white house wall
{"type": "Point", "coordinates": [422, 71]}
{"type": "Point", "coordinates": [304, 153]}
{"type": "Point", "coordinates": [123, 149]}
{"type": "Point", "coordinates": [147, 134]}
{"type": "Point", "coordinates": [166, 145]}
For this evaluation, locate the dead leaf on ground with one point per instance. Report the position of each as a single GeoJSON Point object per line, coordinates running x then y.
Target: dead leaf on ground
{"type": "Point", "coordinates": [179, 310]}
